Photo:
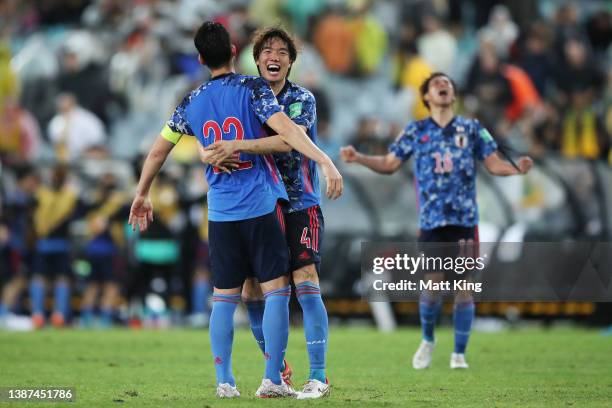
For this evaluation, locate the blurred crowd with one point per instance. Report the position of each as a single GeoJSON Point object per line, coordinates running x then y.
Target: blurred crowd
{"type": "Point", "coordinates": [86, 85]}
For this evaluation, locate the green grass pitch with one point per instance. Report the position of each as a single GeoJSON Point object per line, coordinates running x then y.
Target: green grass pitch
{"type": "Point", "coordinates": [121, 368]}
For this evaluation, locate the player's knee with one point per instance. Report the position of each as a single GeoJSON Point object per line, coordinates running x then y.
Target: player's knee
{"type": "Point", "coordinates": [251, 291]}
{"type": "Point", "coordinates": [306, 273]}
{"type": "Point", "coordinates": [274, 284]}
{"type": "Point", "coordinates": [463, 297]}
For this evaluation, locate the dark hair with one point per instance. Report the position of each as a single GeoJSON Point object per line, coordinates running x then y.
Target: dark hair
{"type": "Point", "coordinates": [424, 88]}
{"type": "Point", "coordinates": [261, 37]}
{"type": "Point", "coordinates": [213, 43]}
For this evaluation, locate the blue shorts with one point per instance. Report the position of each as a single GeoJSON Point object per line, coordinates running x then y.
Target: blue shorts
{"type": "Point", "coordinates": [102, 267]}
{"type": "Point", "coordinates": [304, 237]}
{"type": "Point", "coordinates": [254, 247]}
{"type": "Point", "coordinates": [52, 264]}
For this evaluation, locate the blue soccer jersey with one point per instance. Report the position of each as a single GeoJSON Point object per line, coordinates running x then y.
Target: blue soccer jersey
{"type": "Point", "coordinates": [445, 168]}
{"type": "Point", "coordinates": [299, 172]}
{"type": "Point", "coordinates": [232, 107]}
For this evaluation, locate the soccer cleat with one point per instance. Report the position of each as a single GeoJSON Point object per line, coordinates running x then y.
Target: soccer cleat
{"type": "Point", "coordinates": [315, 389]}
{"type": "Point", "coordinates": [38, 321]}
{"type": "Point", "coordinates": [287, 373]}
{"type": "Point", "coordinates": [227, 391]}
{"type": "Point", "coordinates": [422, 357]}
{"type": "Point", "coordinates": [268, 389]}
{"type": "Point", "coordinates": [458, 361]}
{"type": "Point", "coordinates": [57, 320]}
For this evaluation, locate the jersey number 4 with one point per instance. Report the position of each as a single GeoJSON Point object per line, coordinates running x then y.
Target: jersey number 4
{"type": "Point", "coordinates": [227, 124]}
{"type": "Point", "coordinates": [443, 164]}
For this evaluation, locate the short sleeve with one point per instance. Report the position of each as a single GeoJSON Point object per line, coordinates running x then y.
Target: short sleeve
{"type": "Point", "coordinates": [485, 144]}
{"type": "Point", "coordinates": [403, 147]}
{"type": "Point", "coordinates": [263, 101]}
{"type": "Point", "coordinates": [178, 124]}
{"type": "Point", "coordinates": [303, 110]}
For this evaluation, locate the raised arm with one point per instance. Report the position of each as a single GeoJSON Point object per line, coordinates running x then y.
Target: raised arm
{"type": "Point", "coordinates": [387, 164]}
{"type": "Point", "coordinates": [141, 212]}
{"type": "Point", "coordinates": [500, 167]}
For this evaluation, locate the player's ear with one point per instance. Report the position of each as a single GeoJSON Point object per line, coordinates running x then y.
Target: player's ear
{"type": "Point", "coordinates": [234, 50]}
{"type": "Point", "coordinates": [201, 60]}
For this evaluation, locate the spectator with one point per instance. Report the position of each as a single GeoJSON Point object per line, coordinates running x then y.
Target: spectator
{"type": "Point", "coordinates": [500, 30]}
{"type": "Point", "coordinates": [437, 46]}
{"type": "Point", "coordinates": [19, 134]}
{"type": "Point", "coordinates": [413, 71]}
{"type": "Point", "coordinates": [536, 57]}
{"type": "Point", "coordinates": [335, 40]}
{"type": "Point", "coordinates": [73, 130]}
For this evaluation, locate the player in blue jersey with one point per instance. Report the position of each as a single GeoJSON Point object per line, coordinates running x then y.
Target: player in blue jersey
{"type": "Point", "coordinates": [245, 234]}
{"type": "Point", "coordinates": [446, 148]}
{"type": "Point", "coordinates": [275, 52]}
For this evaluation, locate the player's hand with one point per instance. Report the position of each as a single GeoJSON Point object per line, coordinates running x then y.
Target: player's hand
{"type": "Point", "coordinates": [221, 151]}
{"type": "Point", "coordinates": [525, 164]}
{"type": "Point", "coordinates": [333, 180]}
{"type": "Point", "coordinates": [348, 154]}
{"type": "Point", "coordinates": [141, 213]}
{"type": "Point", "coordinates": [226, 166]}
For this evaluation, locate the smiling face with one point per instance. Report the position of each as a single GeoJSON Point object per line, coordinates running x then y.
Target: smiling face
{"type": "Point", "coordinates": [440, 92]}
{"type": "Point", "coordinates": [274, 60]}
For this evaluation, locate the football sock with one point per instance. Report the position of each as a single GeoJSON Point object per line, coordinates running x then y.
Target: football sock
{"type": "Point", "coordinates": [276, 331]}
{"type": "Point", "coordinates": [429, 309]}
{"type": "Point", "coordinates": [106, 317]}
{"type": "Point", "coordinates": [315, 327]}
{"type": "Point", "coordinates": [463, 315]}
{"type": "Point", "coordinates": [199, 296]}
{"type": "Point", "coordinates": [62, 298]}
{"type": "Point", "coordinates": [222, 335]}
{"type": "Point", "coordinates": [37, 296]}
{"type": "Point", "coordinates": [255, 310]}
{"type": "Point", "coordinates": [3, 310]}
{"type": "Point", "coordinates": [87, 315]}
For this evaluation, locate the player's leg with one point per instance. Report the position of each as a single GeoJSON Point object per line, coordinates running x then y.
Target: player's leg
{"type": "Point", "coordinates": [88, 303]}
{"type": "Point", "coordinates": [270, 261]}
{"type": "Point", "coordinates": [430, 305]}
{"type": "Point", "coordinates": [108, 302]}
{"type": "Point", "coordinates": [38, 288]}
{"type": "Point", "coordinates": [253, 299]}
{"type": "Point", "coordinates": [464, 308]}
{"type": "Point", "coordinates": [200, 290]}
{"type": "Point", "coordinates": [463, 316]}
{"type": "Point", "coordinates": [304, 236]}
{"type": "Point", "coordinates": [228, 266]}
{"type": "Point", "coordinates": [61, 290]}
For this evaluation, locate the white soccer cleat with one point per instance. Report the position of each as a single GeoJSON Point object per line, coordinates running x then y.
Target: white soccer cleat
{"type": "Point", "coordinates": [422, 357]}
{"type": "Point", "coordinates": [314, 389]}
{"type": "Point", "coordinates": [458, 361]}
{"type": "Point", "coordinates": [268, 389]}
{"type": "Point", "coordinates": [227, 391]}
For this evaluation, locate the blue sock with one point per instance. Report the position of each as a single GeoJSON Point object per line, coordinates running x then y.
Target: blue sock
{"type": "Point", "coordinates": [87, 315]}
{"type": "Point", "coordinates": [199, 296]}
{"type": "Point", "coordinates": [463, 315]}
{"type": "Point", "coordinates": [315, 327]}
{"type": "Point", "coordinates": [106, 317]}
{"type": "Point", "coordinates": [276, 331]}
{"type": "Point", "coordinates": [62, 298]}
{"type": "Point", "coordinates": [37, 296]}
{"type": "Point", "coordinates": [255, 310]}
{"type": "Point", "coordinates": [222, 335]}
{"type": "Point", "coordinates": [3, 310]}
{"type": "Point", "coordinates": [429, 309]}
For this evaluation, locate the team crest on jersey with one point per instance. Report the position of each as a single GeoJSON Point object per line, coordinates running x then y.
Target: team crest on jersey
{"type": "Point", "coordinates": [461, 140]}
{"type": "Point", "coordinates": [295, 109]}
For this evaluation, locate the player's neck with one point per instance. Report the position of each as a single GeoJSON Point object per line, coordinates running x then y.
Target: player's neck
{"type": "Point", "coordinates": [277, 86]}
{"type": "Point", "coordinates": [442, 115]}
{"type": "Point", "coordinates": [228, 69]}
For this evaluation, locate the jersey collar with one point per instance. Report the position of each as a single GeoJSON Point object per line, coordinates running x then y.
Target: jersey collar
{"type": "Point", "coordinates": [221, 76]}
{"type": "Point", "coordinates": [448, 125]}
{"type": "Point", "coordinates": [284, 90]}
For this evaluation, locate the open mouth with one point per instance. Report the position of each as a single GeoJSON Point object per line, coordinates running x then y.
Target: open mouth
{"type": "Point", "coordinates": [443, 92]}
{"type": "Point", "coordinates": [273, 68]}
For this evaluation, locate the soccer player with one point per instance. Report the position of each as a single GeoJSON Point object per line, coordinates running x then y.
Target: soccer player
{"type": "Point", "coordinates": [274, 52]}
{"type": "Point", "coordinates": [244, 229]}
{"type": "Point", "coordinates": [446, 148]}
